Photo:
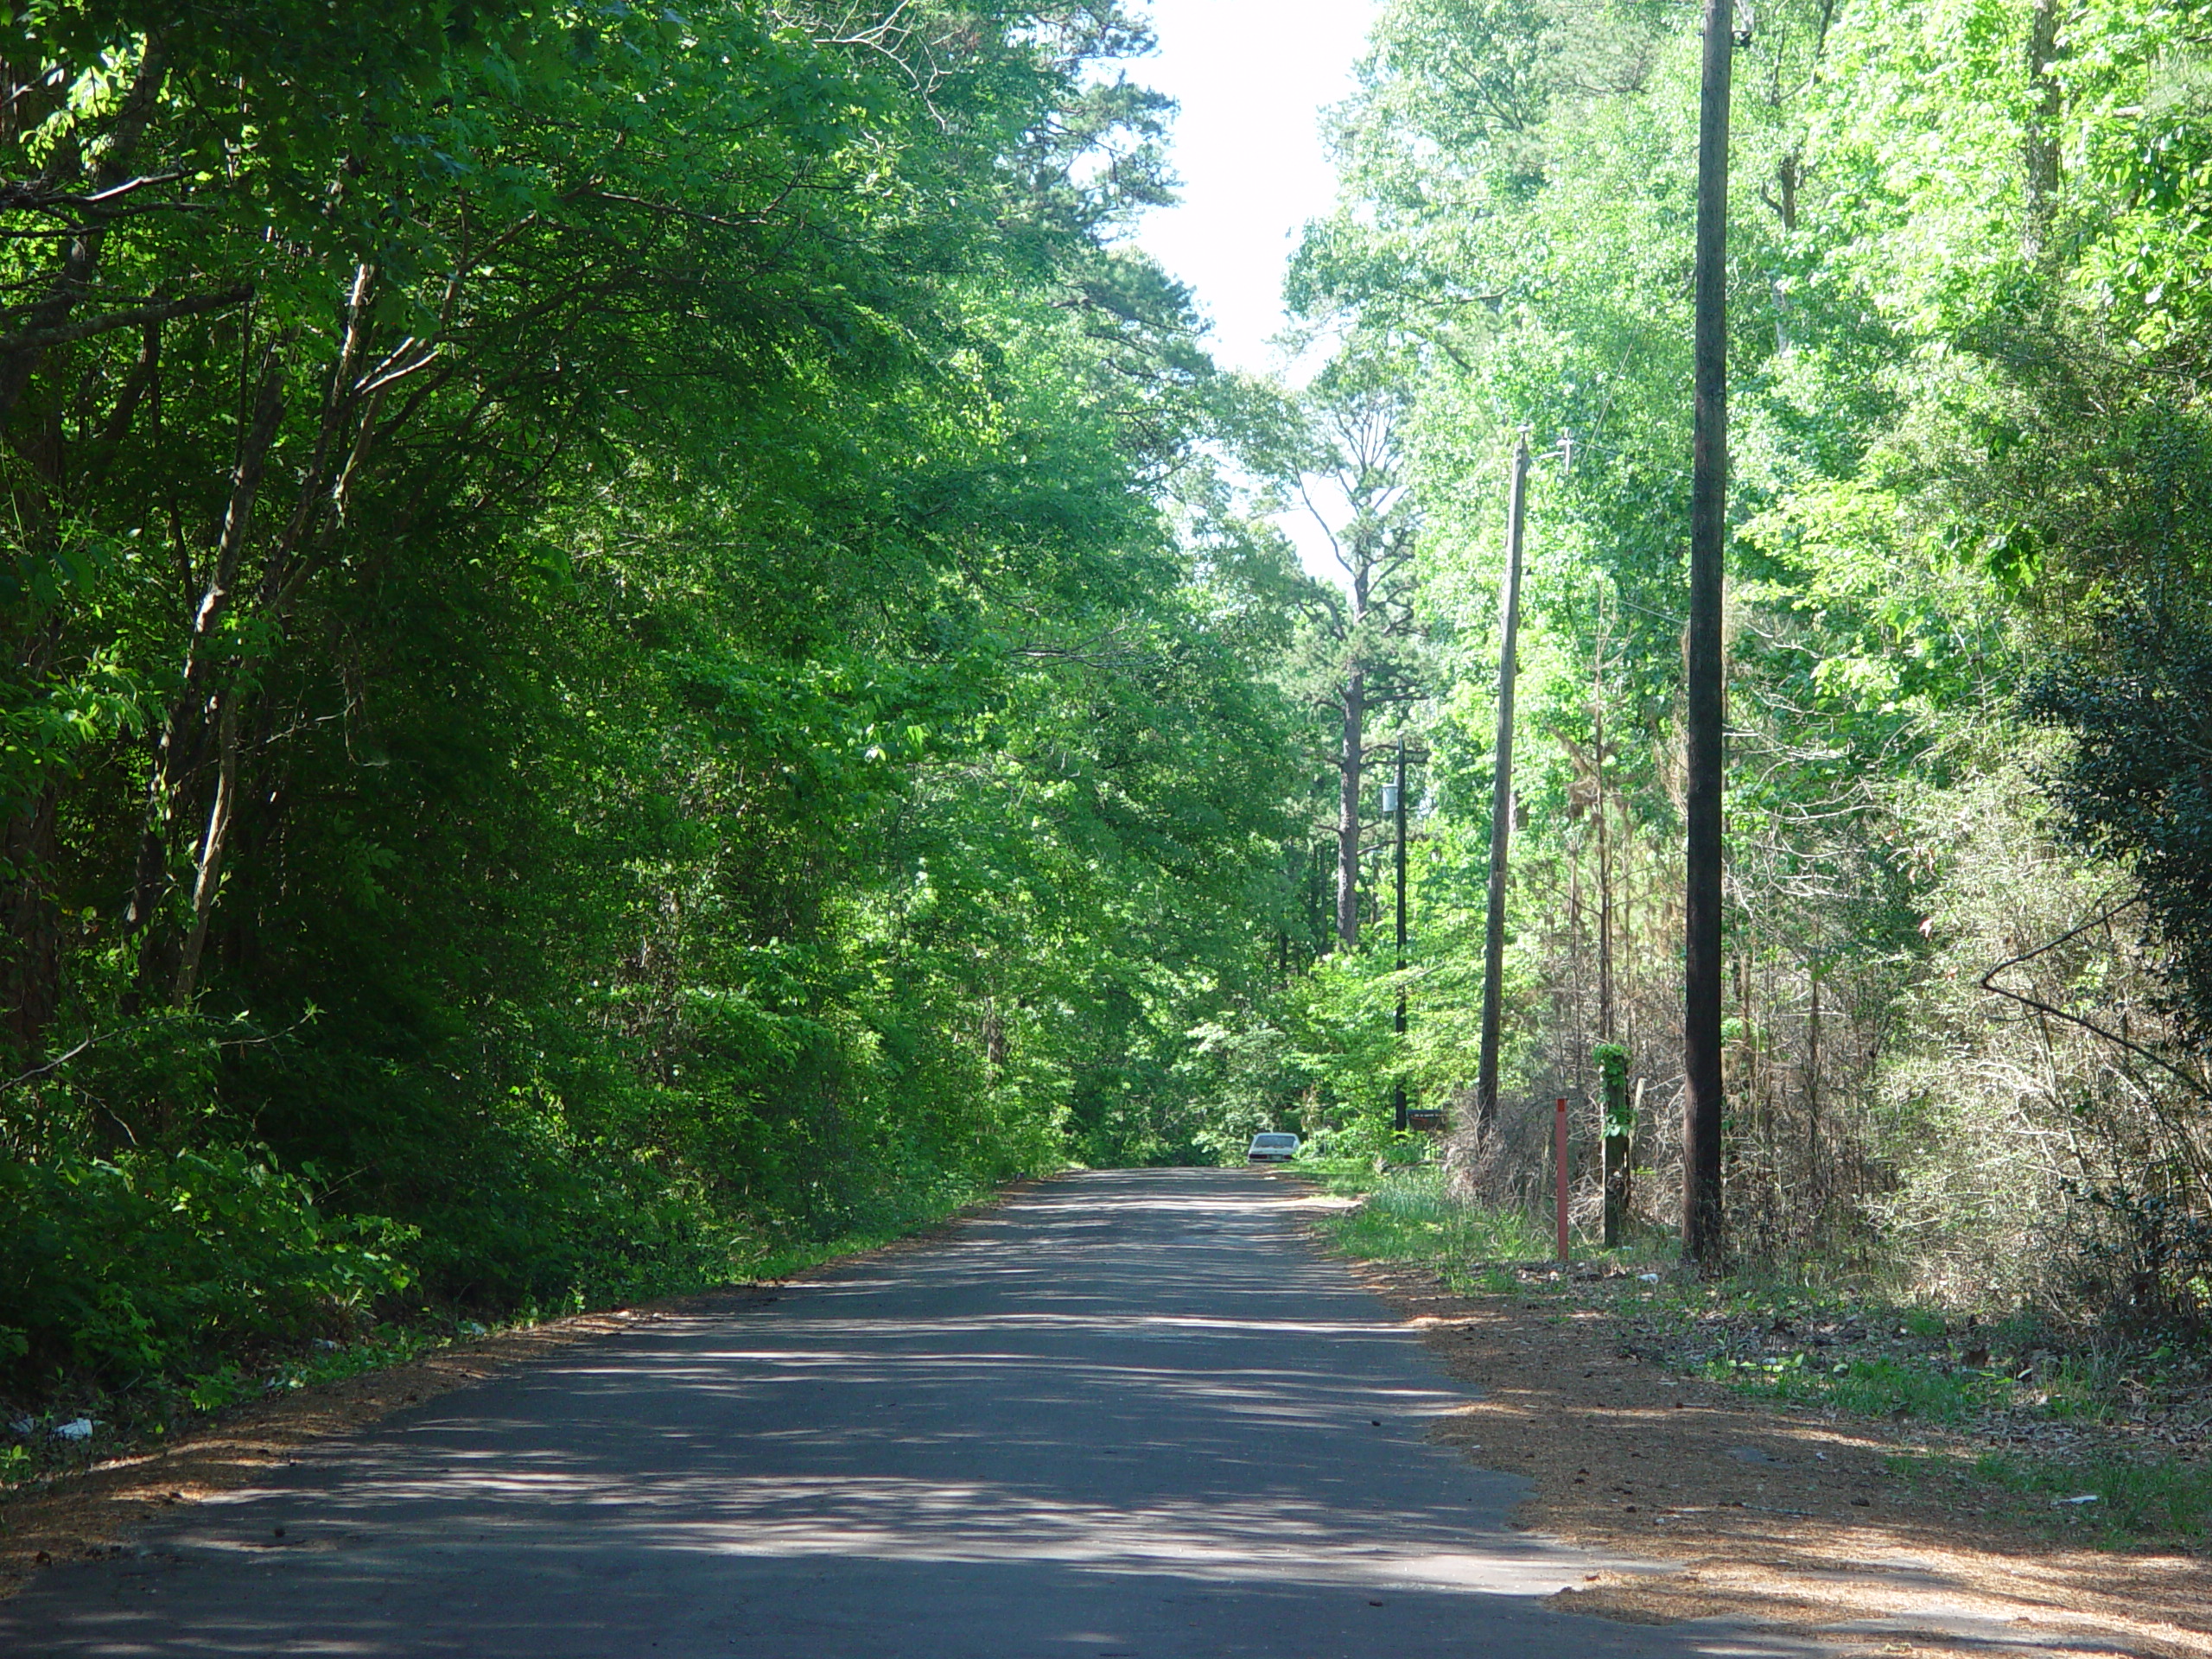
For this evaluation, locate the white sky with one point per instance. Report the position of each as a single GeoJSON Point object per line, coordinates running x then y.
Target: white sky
{"type": "Point", "coordinates": [1252, 76]}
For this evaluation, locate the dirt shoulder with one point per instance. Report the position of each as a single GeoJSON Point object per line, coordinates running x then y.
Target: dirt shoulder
{"type": "Point", "coordinates": [89, 1513]}
{"type": "Point", "coordinates": [1790, 1520]}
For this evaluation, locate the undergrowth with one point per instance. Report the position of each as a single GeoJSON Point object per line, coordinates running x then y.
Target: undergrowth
{"type": "Point", "coordinates": [1863, 1388]}
{"type": "Point", "coordinates": [1407, 1215]}
{"type": "Point", "coordinates": [2120, 1499]}
{"type": "Point", "coordinates": [1848, 1349]}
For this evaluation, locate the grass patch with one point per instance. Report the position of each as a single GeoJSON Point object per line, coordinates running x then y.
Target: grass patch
{"type": "Point", "coordinates": [1407, 1217]}
{"type": "Point", "coordinates": [2108, 1500]}
{"type": "Point", "coordinates": [1845, 1349]}
{"type": "Point", "coordinates": [2083, 1388]}
{"type": "Point", "coordinates": [2136, 1500]}
{"type": "Point", "coordinates": [1863, 1387]}
{"type": "Point", "coordinates": [1349, 1178]}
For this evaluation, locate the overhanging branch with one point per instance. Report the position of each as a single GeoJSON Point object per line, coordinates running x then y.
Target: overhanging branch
{"type": "Point", "coordinates": [39, 339]}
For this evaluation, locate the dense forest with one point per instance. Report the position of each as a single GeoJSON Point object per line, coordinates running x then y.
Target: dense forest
{"type": "Point", "coordinates": [638, 638]}
{"type": "Point", "coordinates": [600, 679]}
{"type": "Point", "coordinates": [1968, 884]}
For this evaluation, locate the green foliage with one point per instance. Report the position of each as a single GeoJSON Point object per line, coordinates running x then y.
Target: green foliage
{"type": "Point", "coordinates": [630, 649]}
{"type": "Point", "coordinates": [1409, 1216]}
{"type": "Point", "coordinates": [1864, 1387]}
{"type": "Point", "coordinates": [2162, 1251]}
{"type": "Point", "coordinates": [1969, 489]}
{"type": "Point", "coordinates": [603, 664]}
{"type": "Point", "coordinates": [1611, 1061]}
{"type": "Point", "coordinates": [149, 1264]}
{"type": "Point", "coordinates": [2136, 782]}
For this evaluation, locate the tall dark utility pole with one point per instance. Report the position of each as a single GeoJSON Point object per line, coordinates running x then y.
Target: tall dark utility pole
{"type": "Point", "coordinates": [1703, 1219]}
{"type": "Point", "coordinates": [1501, 819]}
{"type": "Point", "coordinates": [1398, 805]}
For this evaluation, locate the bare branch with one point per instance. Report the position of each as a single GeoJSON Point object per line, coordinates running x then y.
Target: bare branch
{"type": "Point", "coordinates": [1988, 983]}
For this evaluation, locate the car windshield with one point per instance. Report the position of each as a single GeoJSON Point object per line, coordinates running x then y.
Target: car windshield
{"type": "Point", "coordinates": [1274, 1140]}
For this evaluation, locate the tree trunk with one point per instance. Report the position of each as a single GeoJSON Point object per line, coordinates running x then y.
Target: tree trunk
{"type": "Point", "coordinates": [1398, 1024]}
{"type": "Point", "coordinates": [1604, 856]}
{"type": "Point", "coordinates": [1813, 1085]}
{"type": "Point", "coordinates": [994, 1045]}
{"type": "Point", "coordinates": [180, 750]}
{"type": "Point", "coordinates": [208, 871]}
{"type": "Point", "coordinates": [1501, 811]}
{"type": "Point", "coordinates": [1618, 1130]}
{"type": "Point", "coordinates": [344, 430]}
{"type": "Point", "coordinates": [1348, 768]}
{"type": "Point", "coordinates": [1703, 1218]}
{"type": "Point", "coordinates": [30, 977]}
{"type": "Point", "coordinates": [2039, 141]}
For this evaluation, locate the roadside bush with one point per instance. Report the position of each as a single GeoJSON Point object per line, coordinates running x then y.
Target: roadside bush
{"type": "Point", "coordinates": [151, 1262]}
{"type": "Point", "coordinates": [2156, 1256]}
{"type": "Point", "coordinates": [2037, 1160]}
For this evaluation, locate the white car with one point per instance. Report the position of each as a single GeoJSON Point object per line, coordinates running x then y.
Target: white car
{"type": "Point", "coordinates": [1272, 1149]}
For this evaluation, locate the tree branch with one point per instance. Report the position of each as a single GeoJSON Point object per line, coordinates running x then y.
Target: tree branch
{"type": "Point", "coordinates": [1988, 983]}
{"type": "Point", "coordinates": [39, 339]}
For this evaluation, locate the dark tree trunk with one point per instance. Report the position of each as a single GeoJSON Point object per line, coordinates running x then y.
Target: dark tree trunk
{"type": "Point", "coordinates": [1813, 1085]}
{"type": "Point", "coordinates": [1704, 1241]}
{"type": "Point", "coordinates": [1501, 811]}
{"type": "Point", "coordinates": [1617, 1127]}
{"type": "Point", "coordinates": [30, 972]}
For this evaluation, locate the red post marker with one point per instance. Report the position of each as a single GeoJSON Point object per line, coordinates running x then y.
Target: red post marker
{"type": "Point", "coordinates": [1559, 1157]}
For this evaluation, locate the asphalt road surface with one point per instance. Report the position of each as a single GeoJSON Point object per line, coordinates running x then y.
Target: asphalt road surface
{"type": "Point", "coordinates": [1130, 1413]}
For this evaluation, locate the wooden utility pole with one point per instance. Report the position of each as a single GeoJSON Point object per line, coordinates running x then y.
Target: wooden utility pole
{"type": "Point", "coordinates": [1703, 1241]}
{"type": "Point", "coordinates": [1501, 820]}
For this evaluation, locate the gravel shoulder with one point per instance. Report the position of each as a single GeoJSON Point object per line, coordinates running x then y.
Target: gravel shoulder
{"type": "Point", "coordinates": [1790, 1520]}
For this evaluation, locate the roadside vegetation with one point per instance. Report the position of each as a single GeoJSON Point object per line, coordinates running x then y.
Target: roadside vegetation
{"type": "Point", "coordinates": [2099, 1438]}
{"type": "Point", "coordinates": [1967, 1151]}
{"type": "Point", "coordinates": [639, 643]}
{"type": "Point", "coordinates": [602, 687]}
{"type": "Point", "coordinates": [88, 1414]}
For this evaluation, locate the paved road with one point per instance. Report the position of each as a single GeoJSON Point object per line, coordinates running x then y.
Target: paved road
{"type": "Point", "coordinates": [1128, 1413]}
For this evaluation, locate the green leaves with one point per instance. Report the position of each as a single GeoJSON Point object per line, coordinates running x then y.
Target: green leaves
{"type": "Point", "coordinates": [618, 554]}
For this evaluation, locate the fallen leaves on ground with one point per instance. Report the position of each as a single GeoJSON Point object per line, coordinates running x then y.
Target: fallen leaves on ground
{"type": "Point", "coordinates": [1787, 1520]}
